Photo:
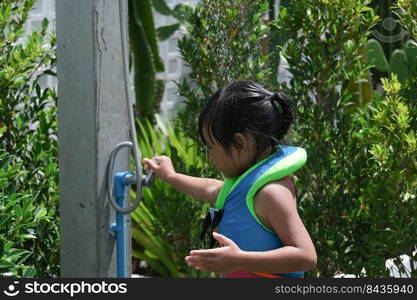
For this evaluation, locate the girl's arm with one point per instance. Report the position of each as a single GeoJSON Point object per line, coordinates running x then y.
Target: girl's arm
{"type": "Point", "coordinates": [204, 189]}
{"type": "Point", "coordinates": [276, 206]}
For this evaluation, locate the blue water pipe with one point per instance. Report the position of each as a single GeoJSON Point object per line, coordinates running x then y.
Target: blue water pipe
{"type": "Point", "coordinates": [121, 181]}
{"type": "Point", "coordinates": [121, 184]}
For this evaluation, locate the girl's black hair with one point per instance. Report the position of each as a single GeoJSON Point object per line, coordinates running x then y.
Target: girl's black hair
{"type": "Point", "coordinates": [246, 107]}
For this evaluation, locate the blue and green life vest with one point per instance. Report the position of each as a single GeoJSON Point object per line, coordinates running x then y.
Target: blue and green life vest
{"type": "Point", "coordinates": [239, 221]}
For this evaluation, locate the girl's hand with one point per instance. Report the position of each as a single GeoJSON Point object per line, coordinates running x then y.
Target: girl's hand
{"type": "Point", "coordinates": [220, 260]}
{"type": "Point", "coordinates": [161, 165]}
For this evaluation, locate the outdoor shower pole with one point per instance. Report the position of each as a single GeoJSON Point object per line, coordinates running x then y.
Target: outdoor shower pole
{"type": "Point", "coordinates": [92, 119]}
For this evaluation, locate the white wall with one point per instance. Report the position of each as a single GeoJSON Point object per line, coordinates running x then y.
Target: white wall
{"type": "Point", "coordinates": [42, 9]}
{"type": "Point", "coordinates": [174, 67]}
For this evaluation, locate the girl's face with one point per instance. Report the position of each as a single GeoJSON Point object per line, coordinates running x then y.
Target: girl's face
{"type": "Point", "coordinates": [235, 163]}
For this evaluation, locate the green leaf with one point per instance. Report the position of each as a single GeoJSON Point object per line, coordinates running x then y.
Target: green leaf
{"type": "Point", "coordinates": [8, 246]}
{"type": "Point", "coordinates": [5, 161]}
{"type": "Point", "coordinates": [18, 211]}
{"type": "Point", "coordinates": [165, 32]}
{"type": "Point", "coordinates": [4, 219]}
{"type": "Point", "coordinates": [260, 75]}
{"type": "Point", "coordinates": [45, 24]}
{"type": "Point", "coordinates": [411, 140]}
{"type": "Point", "coordinates": [161, 253]}
{"type": "Point", "coordinates": [27, 236]}
{"type": "Point", "coordinates": [376, 56]}
{"type": "Point", "coordinates": [5, 264]}
{"type": "Point", "coordinates": [14, 254]}
{"type": "Point", "coordinates": [147, 61]}
{"type": "Point", "coordinates": [264, 6]}
{"type": "Point", "coordinates": [143, 16]}
{"type": "Point", "coordinates": [161, 7]}
{"type": "Point", "coordinates": [180, 12]}
{"type": "Point", "coordinates": [50, 72]}
{"type": "Point", "coordinates": [40, 212]}
{"type": "Point", "coordinates": [29, 272]}
{"type": "Point", "coordinates": [38, 91]}
{"type": "Point", "coordinates": [410, 48]}
{"type": "Point", "coordinates": [399, 64]}
{"type": "Point", "coordinates": [153, 263]}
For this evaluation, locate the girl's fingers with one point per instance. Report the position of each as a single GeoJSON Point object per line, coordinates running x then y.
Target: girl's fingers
{"type": "Point", "coordinates": [196, 260]}
{"type": "Point", "coordinates": [206, 252]}
{"type": "Point", "coordinates": [223, 240]}
{"type": "Point", "coordinates": [200, 263]}
{"type": "Point", "coordinates": [197, 266]}
{"type": "Point", "coordinates": [151, 163]}
{"type": "Point", "coordinates": [147, 167]}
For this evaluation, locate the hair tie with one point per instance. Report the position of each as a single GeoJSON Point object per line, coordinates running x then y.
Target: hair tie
{"type": "Point", "coordinates": [277, 97]}
{"type": "Point", "coordinates": [283, 103]}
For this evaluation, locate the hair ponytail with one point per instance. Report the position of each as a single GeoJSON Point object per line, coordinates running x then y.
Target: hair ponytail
{"type": "Point", "coordinates": [286, 113]}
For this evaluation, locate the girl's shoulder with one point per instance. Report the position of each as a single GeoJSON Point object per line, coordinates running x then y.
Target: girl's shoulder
{"type": "Point", "coordinates": [276, 199]}
{"type": "Point", "coordinates": [282, 187]}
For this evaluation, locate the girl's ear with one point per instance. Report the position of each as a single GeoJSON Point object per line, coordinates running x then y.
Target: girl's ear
{"type": "Point", "coordinates": [241, 141]}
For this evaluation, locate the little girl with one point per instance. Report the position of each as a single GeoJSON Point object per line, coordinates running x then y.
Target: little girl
{"type": "Point", "coordinates": [260, 231]}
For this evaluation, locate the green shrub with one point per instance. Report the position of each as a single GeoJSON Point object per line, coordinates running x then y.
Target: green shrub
{"type": "Point", "coordinates": [389, 188]}
{"type": "Point", "coordinates": [407, 11]}
{"type": "Point", "coordinates": [28, 131]}
{"type": "Point", "coordinates": [20, 221]}
{"type": "Point", "coordinates": [357, 189]}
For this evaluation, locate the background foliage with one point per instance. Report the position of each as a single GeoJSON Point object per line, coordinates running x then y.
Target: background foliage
{"type": "Point", "coordinates": [223, 42]}
{"type": "Point", "coordinates": [29, 233]}
{"type": "Point", "coordinates": [361, 162]}
{"type": "Point", "coordinates": [145, 59]}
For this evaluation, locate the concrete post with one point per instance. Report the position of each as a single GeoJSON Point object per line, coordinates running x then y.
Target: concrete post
{"type": "Point", "coordinates": [92, 119]}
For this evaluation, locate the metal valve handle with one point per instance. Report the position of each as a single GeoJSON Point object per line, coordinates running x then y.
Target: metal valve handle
{"type": "Point", "coordinates": [149, 179]}
{"type": "Point", "coordinates": [130, 178]}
